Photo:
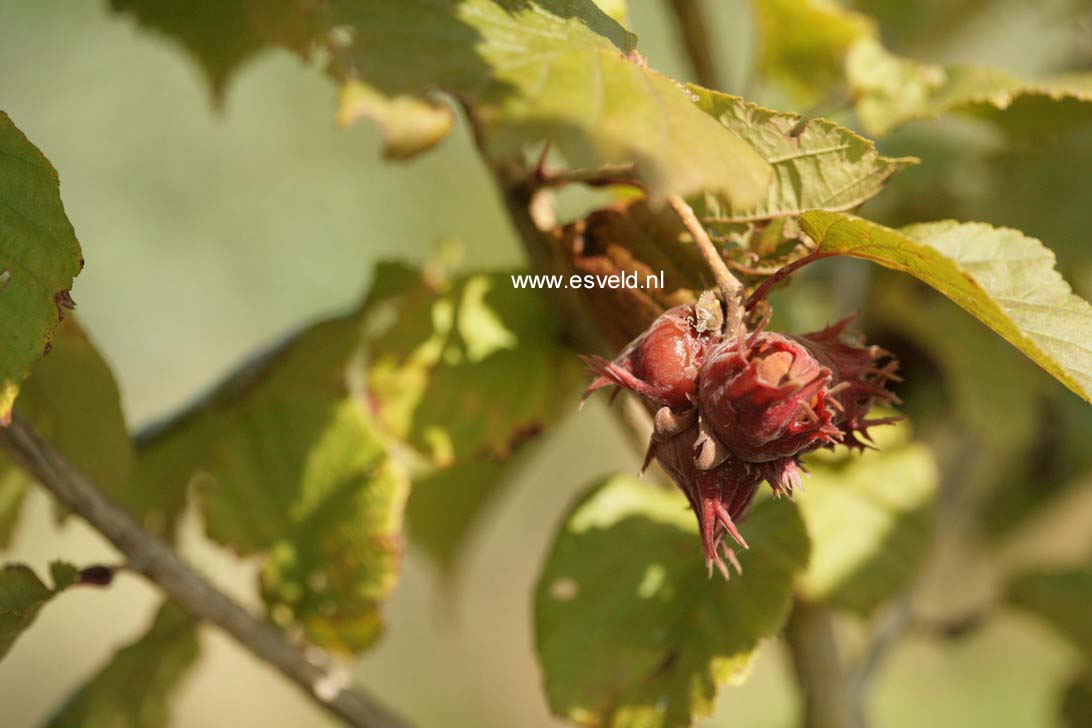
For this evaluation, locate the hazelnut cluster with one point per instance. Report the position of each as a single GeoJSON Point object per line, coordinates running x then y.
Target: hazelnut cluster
{"type": "Point", "coordinates": [734, 408]}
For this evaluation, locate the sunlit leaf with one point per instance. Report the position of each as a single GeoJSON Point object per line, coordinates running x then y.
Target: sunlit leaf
{"type": "Point", "coordinates": [1003, 278]}
{"type": "Point", "coordinates": [529, 71]}
{"type": "Point", "coordinates": [804, 43]}
{"type": "Point", "coordinates": [470, 368]}
{"type": "Point", "coordinates": [1061, 598]}
{"type": "Point", "coordinates": [817, 164]}
{"type": "Point", "coordinates": [891, 91]}
{"type": "Point", "coordinates": [296, 469]}
{"type": "Point", "coordinates": [870, 520]}
{"type": "Point", "coordinates": [290, 466]}
{"type": "Point", "coordinates": [39, 257]}
{"type": "Point", "coordinates": [22, 595]}
{"type": "Point", "coordinates": [134, 688]}
{"type": "Point", "coordinates": [630, 629]}
{"type": "Point", "coordinates": [467, 372]}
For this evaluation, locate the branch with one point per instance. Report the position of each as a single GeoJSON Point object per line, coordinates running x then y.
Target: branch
{"type": "Point", "coordinates": [160, 564]}
{"type": "Point", "coordinates": [693, 26]}
{"type": "Point", "coordinates": [730, 287]}
{"type": "Point", "coordinates": [884, 638]}
{"type": "Point", "coordinates": [815, 660]}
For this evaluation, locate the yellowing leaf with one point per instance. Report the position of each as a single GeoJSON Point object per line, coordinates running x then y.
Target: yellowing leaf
{"type": "Point", "coordinates": [470, 369]}
{"type": "Point", "coordinates": [630, 630]}
{"type": "Point", "coordinates": [467, 372]}
{"type": "Point", "coordinates": [817, 164]}
{"type": "Point", "coordinates": [1003, 278]}
{"type": "Point", "coordinates": [409, 125]}
{"type": "Point", "coordinates": [39, 257]}
{"type": "Point", "coordinates": [290, 466]}
{"type": "Point", "coordinates": [803, 44]}
{"type": "Point", "coordinates": [557, 70]}
{"type": "Point", "coordinates": [891, 91]}
{"type": "Point", "coordinates": [528, 71]}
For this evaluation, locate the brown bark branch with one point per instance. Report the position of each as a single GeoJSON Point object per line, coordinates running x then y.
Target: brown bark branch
{"type": "Point", "coordinates": [815, 660]}
{"type": "Point", "coordinates": [159, 563]}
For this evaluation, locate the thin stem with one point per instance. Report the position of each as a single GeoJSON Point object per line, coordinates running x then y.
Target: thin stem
{"type": "Point", "coordinates": [159, 563]}
{"type": "Point", "coordinates": [619, 174]}
{"type": "Point", "coordinates": [810, 636]}
{"type": "Point", "coordinates": [781, 274]}
{"type": "Point", "coordinates": [693, 27]}
{"type": "Point", "coordinates": [730, 287]}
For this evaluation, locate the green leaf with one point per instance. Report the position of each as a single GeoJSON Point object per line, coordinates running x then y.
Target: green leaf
{"type": "Point", "coordinates": [557, 70]}
{"type": "Point", "coordinates": [73, 401]}
{"type": "Point", "coordinates": [134, 688]}
{"type": "Point", "coordinates": [1061, 598]}
{"type": "Point", "coordinates": [529, 71]}
{"type": "Point", "coordinates": [804, 44]}
{"type": "Point", "coordinates": [891, 91]}
{"type": "Point", "coordinates": [470, 368]}
{"type": "Point", "coordinates": [71, 398]}
{"type": "Point", "coordinates": [220, 34]}
{"type": "Point", "coordinates": [290, 466]}
{"type": "Point", "coordinates": [468, 371]}
{"type": "Point", "coordinates": [1003, 278]}
{"type": "Point", "coordinates": [171, 452]}
{"type": "Point", "coordinates": [630, 629]}
{"type": "Point", "coordinates": [870, 519]}
{"type": "Point", "coordinates": [295, 468]}
{"type": "Point", "coordinates": [22, 595]}
{"type": "Point", "coordinates": [39, 257]}
{"type": "Point", "coordinates": [447, 504]}
{"type": "Point", "coordinates": [817, 164]}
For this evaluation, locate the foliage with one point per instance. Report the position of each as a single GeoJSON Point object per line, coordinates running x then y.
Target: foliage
{"type": "Point", "coordinates": [39, 257]}
{"type": "Point", "coordinates": [134, 687]}
{"type": "Point", "coordinates": [870, 521]}
{"type": "Point", "coordinates": [629, 628]}
{"type": "Point", "coordinates": [1006, 280]}
{"type": "Point", "coordinates": [411, 413]}
{"type": "Point", "coordinates": [817, 164]}
{"type": "Point", "coordinates": [23, 594]}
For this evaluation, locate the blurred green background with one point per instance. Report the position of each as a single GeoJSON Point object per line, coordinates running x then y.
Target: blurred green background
{"type": "Point", "coordinates": [209, 234]}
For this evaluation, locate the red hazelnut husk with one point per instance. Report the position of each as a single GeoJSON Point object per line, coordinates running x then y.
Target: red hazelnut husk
{"type": "Point", "coordinates": [735, 408]}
